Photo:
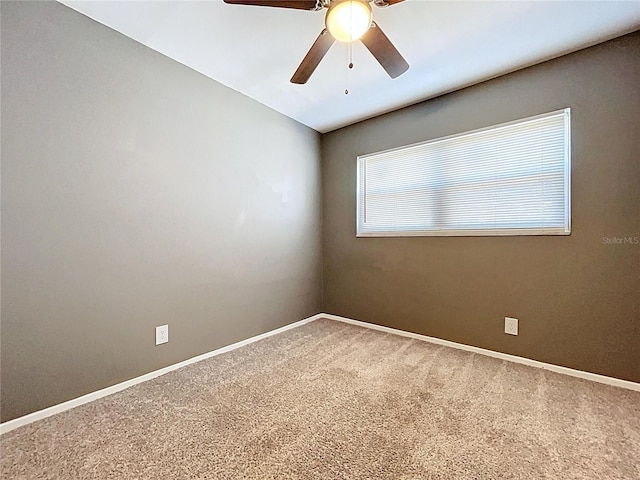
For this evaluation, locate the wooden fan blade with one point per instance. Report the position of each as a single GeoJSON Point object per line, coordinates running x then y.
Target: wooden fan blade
{"type": "Point", "coordinates": [297, 4]}
{"type": "Point", "coordinates": [384, 51]}
{"type": "Point", "coordinates": [311, 60]}
{"type": "Point", "coordinates": [386, 3]}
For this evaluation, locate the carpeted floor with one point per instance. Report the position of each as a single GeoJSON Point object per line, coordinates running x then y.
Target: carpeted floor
{"type": "Point", "coordinates": [333, 401]}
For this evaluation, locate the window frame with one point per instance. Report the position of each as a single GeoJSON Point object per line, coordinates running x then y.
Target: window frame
{"type": "Point", "coordinates": [488, 232]}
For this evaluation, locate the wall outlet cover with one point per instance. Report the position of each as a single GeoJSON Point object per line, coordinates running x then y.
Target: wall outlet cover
{"type": "Point", "coordinates": [511, 325]}
{"type": "Point", "coordinates": [162, 334]}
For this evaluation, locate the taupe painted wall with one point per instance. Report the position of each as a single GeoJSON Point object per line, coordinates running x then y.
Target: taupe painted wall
{"type": "Point", "coordinates": [137, 192]}
{"type": "Point", "coordinates": [577, 298]}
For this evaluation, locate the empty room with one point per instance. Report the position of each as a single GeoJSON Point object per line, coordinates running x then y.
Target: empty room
{"type": "Point", "coordinates": [320, 239]}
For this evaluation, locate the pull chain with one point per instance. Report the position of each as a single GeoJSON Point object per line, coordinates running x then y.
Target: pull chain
{"type": "Point", "coordinates": [350, 58]}
{"type": "Point", "coordinates": [349, 53]}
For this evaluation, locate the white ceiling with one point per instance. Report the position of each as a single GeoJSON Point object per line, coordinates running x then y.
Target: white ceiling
{"type": "Point", "coordinates": [449, 45]}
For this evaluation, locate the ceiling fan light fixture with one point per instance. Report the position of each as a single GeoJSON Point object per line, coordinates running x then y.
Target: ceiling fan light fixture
{"type": "Point", "coordinates": [348, 20]}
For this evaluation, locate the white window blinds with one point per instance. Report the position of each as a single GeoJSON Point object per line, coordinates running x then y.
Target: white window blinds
{"type": "Point", "coordinates": [510, 179]}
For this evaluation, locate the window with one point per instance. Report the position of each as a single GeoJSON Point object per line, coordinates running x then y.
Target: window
{"type": "Point", "coordinates": [510, 179]}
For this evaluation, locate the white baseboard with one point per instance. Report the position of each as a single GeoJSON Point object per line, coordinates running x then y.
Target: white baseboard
{"type": "Point", "coordinates": [616, 382]}
{"type": "Point", "coordinates": [90, 397]}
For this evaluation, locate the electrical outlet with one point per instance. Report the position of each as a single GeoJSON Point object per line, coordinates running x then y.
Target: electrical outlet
{"type": "Point", "coordinates": [511, 325]}
{"type": "Point", "coordinates": [162, 334]}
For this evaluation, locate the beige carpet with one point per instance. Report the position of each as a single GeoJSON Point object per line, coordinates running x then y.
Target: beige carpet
{"type": "Point", "coordinates": [334, 401]}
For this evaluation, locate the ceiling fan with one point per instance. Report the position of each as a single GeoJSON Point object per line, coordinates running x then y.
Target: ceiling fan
{"type": "Point", "coordinates": [346, 21]}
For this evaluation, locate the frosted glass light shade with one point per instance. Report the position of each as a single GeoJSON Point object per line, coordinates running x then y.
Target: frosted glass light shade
{"type": "Point", "coordinates": [349, 20]}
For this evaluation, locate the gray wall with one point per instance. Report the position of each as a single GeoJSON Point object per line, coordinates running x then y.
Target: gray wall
{"type": "Point", "coordinates": [136, 192]}
{"type": "Point", "coordinates": [577, 298]}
